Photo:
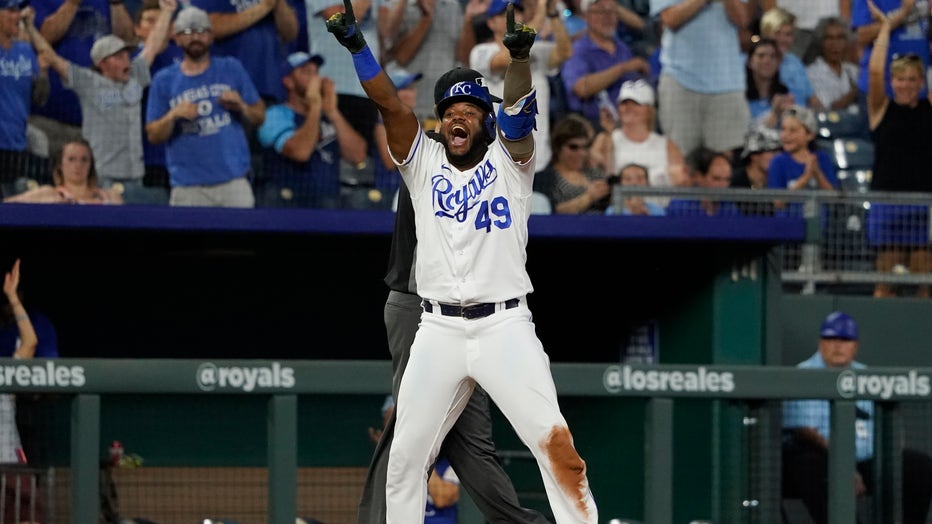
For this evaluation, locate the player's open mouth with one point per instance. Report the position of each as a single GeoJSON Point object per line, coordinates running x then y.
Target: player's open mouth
{"type": "Point", "coordinates": [458, 134]}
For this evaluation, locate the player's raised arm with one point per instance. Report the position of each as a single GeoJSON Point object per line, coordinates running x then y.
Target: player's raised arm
{"type": "Point", "coordinates": [517, 115]}
{"type": "Point", "coordinates": [400, 121]}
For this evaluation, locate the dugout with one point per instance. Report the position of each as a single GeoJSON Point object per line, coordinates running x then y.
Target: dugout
{"type": "Point", "coordinates": [139, 282]}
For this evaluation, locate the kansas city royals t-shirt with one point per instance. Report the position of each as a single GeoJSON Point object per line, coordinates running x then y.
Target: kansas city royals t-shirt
{"type": "Point", "coordinates": [18, 69]}
{"type": "Point", "coordinates": [193, 151]}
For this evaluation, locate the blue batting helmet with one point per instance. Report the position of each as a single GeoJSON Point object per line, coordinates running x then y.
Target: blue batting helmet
{"type": "Point", "coordinates": [465, 85]}
{"type": "Point", "coordinates": [839, 325]}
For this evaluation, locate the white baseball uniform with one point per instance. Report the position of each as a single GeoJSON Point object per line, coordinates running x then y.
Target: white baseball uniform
{"type": "Point", "coordinates": [472, 234]}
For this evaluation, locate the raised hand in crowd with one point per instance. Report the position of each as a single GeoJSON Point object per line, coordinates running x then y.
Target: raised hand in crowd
{"type": "Point", "coordinates": [27, 334]}
{"type": "Point", "coordinates": [328, 95]}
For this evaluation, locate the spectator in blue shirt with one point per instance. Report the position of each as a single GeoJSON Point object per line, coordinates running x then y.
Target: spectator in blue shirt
{"type": "Point", "coordinates": [255, 32]}
{"type": "Point", "coordinates": [800, 165]}
{"type": "Point", "coordinates": [767, 95]}
{"type": "Point", "coordinates": [23, 333]}
{"type": "Point", "coordinates": [710, 170]}
{"type": "Point", "coordinates": [807, 426]}
{"type": "Point", "coordinates": [202, 105]}
{"type": "Point", "coordinates": [601, 61]}
{"type": "Point", "coordinates": [701, 86]}
{"type": "Point", "coordinates": [780, 24]}
{"type": "Point", "coordinates": [304, 138]}
{"type": "Point", "coordinates": [22, 81]}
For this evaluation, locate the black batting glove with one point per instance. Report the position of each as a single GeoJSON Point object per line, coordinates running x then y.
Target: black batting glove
{"type": "Point", "coordinates": [344, 28]}
{"type": "Point", "coordinates": [518, 37]}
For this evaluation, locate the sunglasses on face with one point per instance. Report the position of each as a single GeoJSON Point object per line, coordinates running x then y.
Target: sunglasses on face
{"type": "Point", "coordinates": [909, 57]}
{"type": "Point", "coordinates": [194, 31]}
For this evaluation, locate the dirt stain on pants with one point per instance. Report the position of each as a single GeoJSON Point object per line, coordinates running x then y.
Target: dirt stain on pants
{"type": "Point", "coordinates": [568, 468]}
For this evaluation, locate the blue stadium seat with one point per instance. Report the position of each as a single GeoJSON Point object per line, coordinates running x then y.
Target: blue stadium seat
{"type": "Point", "coordinates": [842, 124]}
{"type": "Point", "coordinates": [854, 153]}
{"type": "Point", "coordinates": [849, 153]}
{"type": "Point", "coordinates": [854, 180]}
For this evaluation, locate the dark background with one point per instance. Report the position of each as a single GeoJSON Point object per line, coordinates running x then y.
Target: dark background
{"type": "Point", "coordinates": [205, 293]}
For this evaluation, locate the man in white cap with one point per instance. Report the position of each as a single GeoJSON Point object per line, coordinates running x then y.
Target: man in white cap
{"type": "Point", "coordinates": [303, 140]}
{"type": "Point", "coordinates": [198, 109]}
{"type": "Point", "coordinates": [110, 97]}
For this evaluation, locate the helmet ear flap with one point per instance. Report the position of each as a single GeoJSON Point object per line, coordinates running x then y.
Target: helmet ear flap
{"type": "Point", "coordinates": [490, 127]}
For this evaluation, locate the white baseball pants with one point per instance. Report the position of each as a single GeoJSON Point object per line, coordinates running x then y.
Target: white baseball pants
{"type": "Point", "coordinates": [502, 353]}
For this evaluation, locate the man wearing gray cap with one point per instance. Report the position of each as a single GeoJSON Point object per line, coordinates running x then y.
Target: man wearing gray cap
{"type": "Point", "coordinates": [110, 97]}
{"type": "Point", "coordinates": [198, 109]}
{"type": "Point", "coordinates": [72, 26]}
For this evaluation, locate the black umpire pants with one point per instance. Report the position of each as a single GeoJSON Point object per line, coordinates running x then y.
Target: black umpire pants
{"type": "Point", "coordinates": [468, 446]}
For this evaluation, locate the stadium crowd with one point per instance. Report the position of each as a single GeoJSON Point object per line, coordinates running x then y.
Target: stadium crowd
{"type": "Point", "coordinates": [626, 86]}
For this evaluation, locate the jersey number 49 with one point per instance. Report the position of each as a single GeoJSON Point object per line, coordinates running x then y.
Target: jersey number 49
{"type": "Point", "coordinates": [494, 212]}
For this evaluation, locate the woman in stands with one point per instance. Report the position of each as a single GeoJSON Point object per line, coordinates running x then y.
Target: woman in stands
{"type": "Point", "coordinates": [834, 79]}
{"type": "Point", "coordinates": [569, 181]}
{"type": "Point", "coordinates": [75, 180]}
{"type": "Point", "coordinates": [636, 141]}
{"type": "Point", "coordinates": [766, 94]}
{"type": "Point", "coordinates": [901, 127]}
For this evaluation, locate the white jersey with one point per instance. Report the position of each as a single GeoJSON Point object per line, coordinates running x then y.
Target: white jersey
{"type": "Point", "coordinates": [471, 239]}
{"type": "Point", "coordinates": [471, 225]}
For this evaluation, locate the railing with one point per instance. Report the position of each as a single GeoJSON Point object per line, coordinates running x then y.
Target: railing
{"type": "Point", "coordinates": [842, 237]}
{"type": "Point", "coordinates": [20, 496]}
{"type": "Point", "coordinates": [87, 380]}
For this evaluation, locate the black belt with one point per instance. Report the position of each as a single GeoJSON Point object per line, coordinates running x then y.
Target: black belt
{"type": "Point", "coordinates": [470, 312]}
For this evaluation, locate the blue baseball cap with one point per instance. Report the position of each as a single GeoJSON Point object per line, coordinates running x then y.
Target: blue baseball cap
{"type": "Point", "coordinates": [403, 79]}
{"type": "Point", "coordinates": [497, 7]}
{"type": "Point", "coordinates": [839, 325]}
{"type": "Point", "coordinates": [296, 60]}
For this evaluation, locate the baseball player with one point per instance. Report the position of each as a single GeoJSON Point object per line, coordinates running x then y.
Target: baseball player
{"type": "Point", "coordinates": [471, 195]}
{"type": "Point", "coordinates": [468, 446]}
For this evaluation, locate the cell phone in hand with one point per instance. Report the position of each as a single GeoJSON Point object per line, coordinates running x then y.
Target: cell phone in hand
{"type": "Point", "coordinates": [606, 103]}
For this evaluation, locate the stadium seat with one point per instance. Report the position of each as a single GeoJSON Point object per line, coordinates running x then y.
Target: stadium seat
{"type": "Point", "coordinates": [854, 180]}
{"type": "Point", "coordinates": [842, 124]}
{"type": "Point", "coordinates": [540, 204]}
{"type": "Point", "coordinates": [853, 153]}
